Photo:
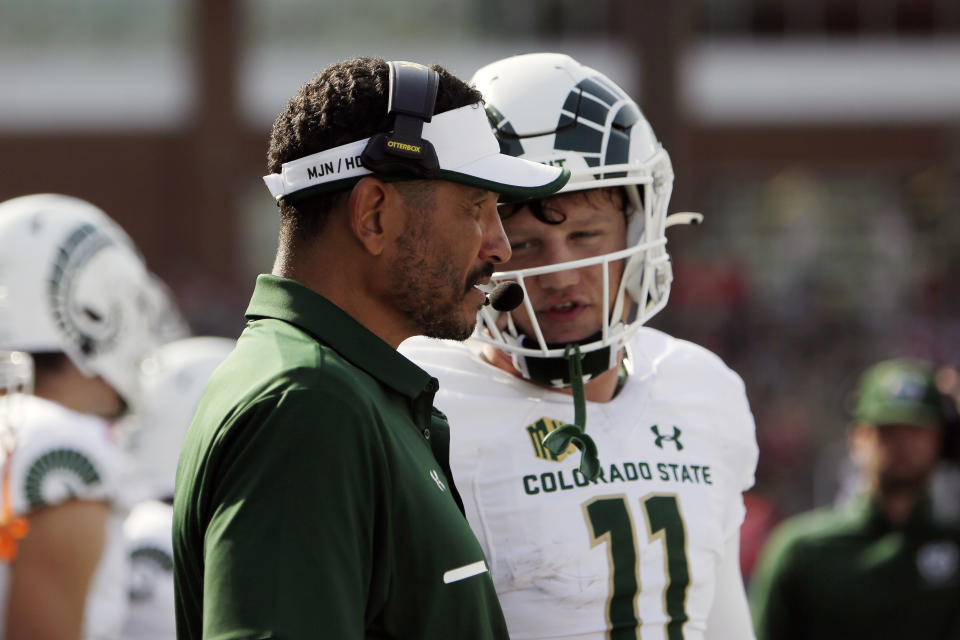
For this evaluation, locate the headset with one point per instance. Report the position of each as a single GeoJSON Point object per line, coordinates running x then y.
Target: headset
{"type": "Point", "coordinates": [413, 96]}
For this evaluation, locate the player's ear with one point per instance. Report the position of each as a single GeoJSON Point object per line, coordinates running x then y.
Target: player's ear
{"type": "Point", "coordinates": [376, 214]}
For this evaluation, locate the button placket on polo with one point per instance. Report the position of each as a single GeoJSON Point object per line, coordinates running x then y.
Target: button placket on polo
{"type": "Point", "coordinates": [432, 387]}
{"type": "Point", "coordinates": [423, 407]}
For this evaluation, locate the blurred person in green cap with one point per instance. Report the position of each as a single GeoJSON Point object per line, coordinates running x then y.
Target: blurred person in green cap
{"type": "Point", "coordinates": [883, 565]}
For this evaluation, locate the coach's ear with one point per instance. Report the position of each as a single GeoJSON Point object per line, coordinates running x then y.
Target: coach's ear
{"type": "Point", "coordinates": [377, 214]}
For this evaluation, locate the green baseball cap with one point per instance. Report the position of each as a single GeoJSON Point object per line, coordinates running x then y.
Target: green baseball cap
{"type": "Point", "coordinates": [899, 391]}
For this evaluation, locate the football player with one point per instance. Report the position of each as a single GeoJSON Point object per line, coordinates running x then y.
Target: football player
{"type": "Point", "coordinates": [638, 531]}
{"type": "Point", "coordinates": [75, 294]}
{"type": "Point", "coordinates": [172, 380]}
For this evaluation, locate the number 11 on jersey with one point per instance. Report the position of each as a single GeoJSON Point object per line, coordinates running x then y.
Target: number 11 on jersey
{"type": "Point", "coordinates": [609, 521]}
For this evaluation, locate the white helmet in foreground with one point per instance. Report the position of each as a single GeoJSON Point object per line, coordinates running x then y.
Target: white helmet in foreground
{"type": "Point", "coordinates": [549, 108]}
{"type": "Point", "coordinates": [173, 378]}
{"type": "Point", "coordinates": [72, 281]}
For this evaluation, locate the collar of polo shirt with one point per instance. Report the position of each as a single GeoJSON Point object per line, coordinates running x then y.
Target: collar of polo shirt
{"type": "Point", "coordinates": [467, 150]}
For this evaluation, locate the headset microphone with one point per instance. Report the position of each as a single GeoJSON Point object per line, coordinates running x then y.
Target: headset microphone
{"type": "Point", "coordinates": [506, 296]}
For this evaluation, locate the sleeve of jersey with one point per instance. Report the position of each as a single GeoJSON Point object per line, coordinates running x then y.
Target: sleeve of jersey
{"type": "Point", "coordinates": [740, 449]}
{"type": "Point", "coordinates": [747, 451]}
{"type": "Point", "coordinates": [55, 463]}
{"type": "Point", "coordinates": [722, 391]}
{"type": "Point", "coordinates": [292, 543]}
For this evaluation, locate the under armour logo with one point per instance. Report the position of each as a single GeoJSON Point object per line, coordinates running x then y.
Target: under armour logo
{"type": "Point", "coordinates": [675, 438]}
{"type": "Point", "coordinates": [436, 478]}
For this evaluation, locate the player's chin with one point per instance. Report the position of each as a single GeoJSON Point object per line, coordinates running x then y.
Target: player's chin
{"type": "Point", "coordinates": [566, 335]}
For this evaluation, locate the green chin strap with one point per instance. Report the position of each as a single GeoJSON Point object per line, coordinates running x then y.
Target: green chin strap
{"type": "Point", "coordinates": [558, 440]}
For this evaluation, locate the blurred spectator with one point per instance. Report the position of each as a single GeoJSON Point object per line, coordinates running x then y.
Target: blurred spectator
{"type": "Point", "coordinates": [841, 474]}
{"type": "Point", "coordinates": [884, 565]}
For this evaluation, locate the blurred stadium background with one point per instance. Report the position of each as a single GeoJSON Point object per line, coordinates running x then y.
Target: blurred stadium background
{"type": "Point", "coordinates": [821, 138]}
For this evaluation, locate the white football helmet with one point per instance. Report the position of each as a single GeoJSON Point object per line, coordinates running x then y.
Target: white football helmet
{"type": "Point", "coordinates": [550, 108]}
{"type": "Point", "coordinates": [72, 281]}
{"type": "Point", "coordinates": [172, 379]}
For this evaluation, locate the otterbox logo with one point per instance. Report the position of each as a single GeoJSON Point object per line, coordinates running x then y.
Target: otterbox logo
{"type": "Point", "coordinates": [403, 146]}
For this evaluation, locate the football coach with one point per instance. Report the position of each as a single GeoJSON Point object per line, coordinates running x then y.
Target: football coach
{"type": "Point", "coordinates": [314, 497]}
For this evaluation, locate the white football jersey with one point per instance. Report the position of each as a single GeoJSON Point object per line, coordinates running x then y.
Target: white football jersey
{"type": "Point", "coordinates": [148, 530]}
{"type": "Point", "coordinates": [648, 548]}
{"type": "Point", "coordinates": [62, 455]}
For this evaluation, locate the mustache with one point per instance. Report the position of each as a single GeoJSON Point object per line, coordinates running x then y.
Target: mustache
{"type": "Point", "coordinates": [479, 274]}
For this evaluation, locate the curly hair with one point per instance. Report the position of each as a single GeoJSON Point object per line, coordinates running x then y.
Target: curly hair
{"type": "Point", "coordinates": [345, 102]}
{"type": "Point", "coordinates": [546, 212]}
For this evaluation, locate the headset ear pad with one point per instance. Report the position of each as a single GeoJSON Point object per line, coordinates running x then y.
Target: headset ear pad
{"type": "Point", "coordinates": [403, 151]}
{"type": "Point", "coordinates": [384, 154]}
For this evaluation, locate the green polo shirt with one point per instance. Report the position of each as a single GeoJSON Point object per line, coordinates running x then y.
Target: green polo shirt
{"type": "Point", "coordinates": [846, 574]}
{"type": "Point", "coordinates": [313, 496]}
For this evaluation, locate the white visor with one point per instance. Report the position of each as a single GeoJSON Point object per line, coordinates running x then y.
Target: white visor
{"type": "Point", "coordinates": [467, 151]}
